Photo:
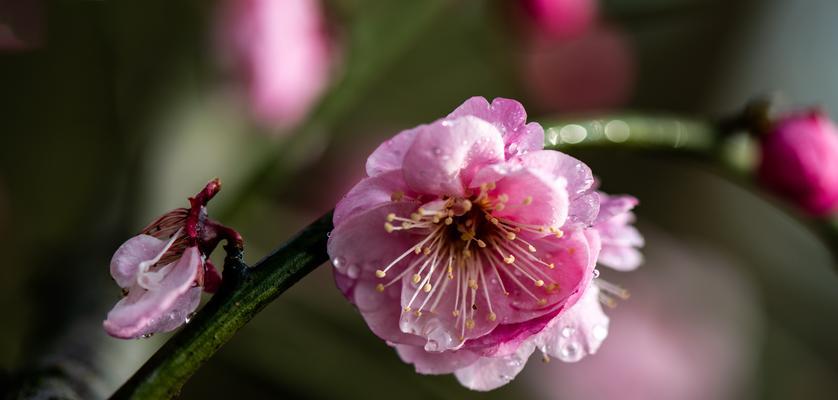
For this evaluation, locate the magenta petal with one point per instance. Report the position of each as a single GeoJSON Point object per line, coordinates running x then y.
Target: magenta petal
{"type": "Point", "coordinates": [578, 331]}
{"type": "Point", "coordinates": [584, 204]}
{"type": "Point", "coordinates": [510, 118]}
{"type": "Point", "coordinates": [490, 373]}
{"type": "Point", "coordinates": [620, 239]}
{"type": "Point", "coordinates": [389, 156]}
{"type": "Point", "coordinates": [144, 312]}
{"type": "Point", "coordinates": [435, 363]}
{"type": "Point", "coordinates": [446, 154]}
{"type": "Point", "coordinates": [369, 193]}
{"type": "Point", "coordinates": [127, 258]}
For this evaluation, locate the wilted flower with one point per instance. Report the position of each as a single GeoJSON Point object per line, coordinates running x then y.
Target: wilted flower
{"type": "Point", "coordinates": [281, 52]}
{"type": "Point", "coordinates": [466, 239]}
{"type": "Point", "coordinates": [800, 161]}
{"type": "Point", "coordinates": [163, 270]}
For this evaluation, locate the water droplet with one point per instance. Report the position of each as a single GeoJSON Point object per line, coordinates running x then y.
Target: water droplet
{"type": "Point", "coordinates": [147, 335]}
{"type": "Point", "coordinates": [338, 262]}
{"type": "Point", "coordinates": [353, 271]}
{"type": "Point", "coordinates": [596, 273]}
{"type": "Point", "coordinates": [329, 234]}
{"type": "Point", "coordinates": [570, 352]}
{"type": "Point", "coordinates": [437, 151]}
{"type": "Point", "coordinates": [599, 332]}
{"type": "Point", "coordinates": [188, 318]}
{"type": "Point", "coordinates": [567, 332]}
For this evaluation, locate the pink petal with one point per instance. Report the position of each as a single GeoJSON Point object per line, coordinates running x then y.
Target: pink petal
{"type": "Point", "coordinates": [389, 156]}
{"type": "Point", "coordinates": [547, 194]}
{"type": "Point", "coordinates": [578, 331]}
{"type": "Point", "coordinates": [446, 154]}
{"type": "Point", "coordinates": [435, 363]}
{"type": "Point", "coordinates": [144, 312]}
{"type": "Point", "coordinates": [128, 257]}
{"type": "Point", "coordinates": [584, 203]}
{"type": "Point", "coordinates": [510, 118]}
{"type": "Point", "coordinates": [620, 239]}
{"type": "Point", "coordinates": [490, 373]}
{"type": "Point", "coordinates": [612, 206]}
{"type": "Point", "coordinates": [355, 267]}
{"type": "Point", "coordinates": [369, 193]}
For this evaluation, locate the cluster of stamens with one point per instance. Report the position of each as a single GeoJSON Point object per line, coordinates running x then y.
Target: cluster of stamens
{"type": "Point", "coordinates": [464, 241]}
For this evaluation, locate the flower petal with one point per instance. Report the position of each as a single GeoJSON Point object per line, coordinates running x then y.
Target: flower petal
{"type": "Point", "coordinates": [510, 118]}
{"type": "Point", "coordinates": [578, 331]}
{"type": "Point", "coordinates": [127, 258]}
{"type": "Point", "coordinates": [355, 266]}
{"type": "Point", "coordinates": [446, 154]}
{"type": "Point", "coordinates": [490, 373]}
{"type": "Point", "coordinates": [435, 363]}
{"type": "Point", "coordinates": [584, 204]}
{"type": "Point", "coordinates": [369, 193]}
{"type": "Point", "coordinates": [533, 196]}
{"type": "Point", "coordinates": [144, 312]}
{"type": "Point", "coordinates": [389, 156]}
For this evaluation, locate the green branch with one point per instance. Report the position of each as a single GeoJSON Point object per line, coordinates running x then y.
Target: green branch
{"type": "Point", "coordinates": [244, 293]}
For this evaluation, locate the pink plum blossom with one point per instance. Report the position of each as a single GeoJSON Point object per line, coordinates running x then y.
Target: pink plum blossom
{"type": "Point", "coordinates": [561, 19]}
{"type": "Point", "coordinates": [466, 240]}
{"type": "Point", "coordinates": [620, 239]}
{"type": "Point", "coordinates": [281, 52]}
{"type": "Point", "coordinates": [163, 270]}
{"type": "Point", "coordinates": [592, 71]}
{"type": "Point", "coordinates": [800, 161]}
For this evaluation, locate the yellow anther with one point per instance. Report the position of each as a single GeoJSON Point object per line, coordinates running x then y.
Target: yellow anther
{"type": "Point", "coordinates": [511, 236]}
{"type": "Point", "coordinates": [407, 309]}
{"type": "Point", "coordinates": [467, 253]}
{"type": "Point", "coordinates": [427, 250]}
{"type": "Point", "coordinates": [469, 324]}
{"type": "Point", "coordinates": [545, 358]}
{"type": "Point", "coordinates": [379, 273]}
{"type": "Point", "coordinates": [436, 219]}
{"type": "Point", "coordinates": [379, 287]}
{"type": "Point", "coordinates": [481, 243]}
{"type": "Point", "coordinates": [417, 313]}
{"type": "Point", "coordinates": [455, 313]}
{"type": "Point", "coordinates": [492, 186]}
{"type": "Point", "coordinates": [542, 302]}
{"type": "Point", "coordinates": [417, 250]}
{"type": "Point", "coordinates": [449, 221]}
{"type": "Point", "coordinates": [509, 260]}
{"type": "Point", "coordinates": [397, 196]}
{"type": "Point", "coordinates": [531, 248]}
{"type": "Point", "coordinates": [467, 205]}
{"type": "Point", "coordinates": [492, 317]}
{"type": "Point", "coordinates": [539, 283]}
{"type": "Point", "coordinates": [406, 225]}
{"type": "Point", "coordinates": [499, 207]}
{"type": "Point", "coordinates": [427, 288]}
{"type": "Point", "coordinates": [551, 265]}
{"type": "Point", "coordinates": [503, 198]}
{"type": "Point", "coordinates": [416, 278]}
{"type": "Point", "coordinates": [416, 217]}
{"type": "Point", "coordinates": [527, 200]}
{"type": "Point", "coordinates": [389, 227]}
{"type": "Point", "coordinates": [494, 221]}
{"type": "Point", "coordinates": [391, 217]}
{"type": "Point", "coordinates": [472, 284]}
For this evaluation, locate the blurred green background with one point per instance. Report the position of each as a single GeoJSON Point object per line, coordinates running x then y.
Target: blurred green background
{"type": "Point", "coordinates": [120, 112]}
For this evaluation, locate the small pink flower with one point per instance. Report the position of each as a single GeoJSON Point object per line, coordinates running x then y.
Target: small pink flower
{"type": "Point", "coordinates": [620, 239]}
{"type": "Point", "coordinates": [562, 19]}
{"type": "Point", "coordinates": [466, 239]}
{"type": "Point", "coordinates": [800, 161]}
{"type": "Point", "coordinates": [281, 52]}
{"type": "Point", "coordinates": [163, 270]}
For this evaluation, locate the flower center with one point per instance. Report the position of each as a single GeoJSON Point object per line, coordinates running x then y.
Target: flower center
{"type": "Point", "coordinates": [467, 242]}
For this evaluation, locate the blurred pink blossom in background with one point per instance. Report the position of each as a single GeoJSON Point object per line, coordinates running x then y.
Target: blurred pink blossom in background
{"type": "Point", "coordinates": [21, 25]}
{"type": "Point", "coordinates": [671, 339]}
{"type": "Point", "coordinates": [281, 54]}
{"type": "Point", "coordinates": [561, 19]}
{"type": "Point", "coordinates": [592, 71]}
{"type": "Point", "coordinates": [800, 161]}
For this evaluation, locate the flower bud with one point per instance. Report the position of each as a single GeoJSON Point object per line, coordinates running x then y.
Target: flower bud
{"type": "Point", "coordinates": [800, 161]}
